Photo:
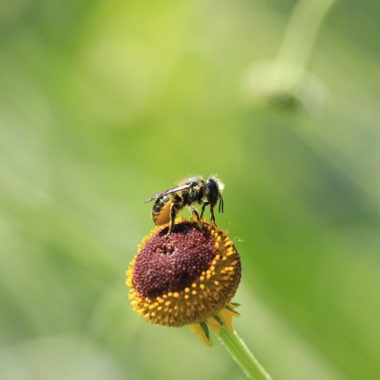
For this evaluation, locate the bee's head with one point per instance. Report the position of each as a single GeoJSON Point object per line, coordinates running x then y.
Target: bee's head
{"type": "Point", "coordinates": [213, 191]}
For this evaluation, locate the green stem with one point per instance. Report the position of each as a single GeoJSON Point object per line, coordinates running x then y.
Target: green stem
{"type": "Point", "coordinates": [302, 30]}
{"type": "Point", "coordinates": [242, 355]}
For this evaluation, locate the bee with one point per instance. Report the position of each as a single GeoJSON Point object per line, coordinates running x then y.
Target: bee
{"type": "Point", "coordinates": [192, 190]}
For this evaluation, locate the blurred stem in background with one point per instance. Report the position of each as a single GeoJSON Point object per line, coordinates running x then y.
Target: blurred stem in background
{"type": "Point", "coordinates": [285, 80]}
{"type": "Point", "coordinates": [301, 33]}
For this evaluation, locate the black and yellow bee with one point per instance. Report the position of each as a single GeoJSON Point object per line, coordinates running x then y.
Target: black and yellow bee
{"type": "Point", "coordinates": [192, 190]}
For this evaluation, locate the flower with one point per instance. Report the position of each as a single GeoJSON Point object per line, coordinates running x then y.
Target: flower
{"type": "Point", "coordinates": [187, 277]}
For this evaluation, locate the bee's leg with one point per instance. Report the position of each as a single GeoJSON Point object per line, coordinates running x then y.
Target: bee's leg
{"type": "Point", "coordinates": [173, 214]}
{"type": "Point", "coordinates": [212, 214]}
{"type": "Point", "coordinates": [195, 213]}
{"type": "Point", "coordinates": [204, 204]}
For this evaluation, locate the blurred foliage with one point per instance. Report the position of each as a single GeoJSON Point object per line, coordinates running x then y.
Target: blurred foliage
{"type": "Point", "coordinates": [103, 103]}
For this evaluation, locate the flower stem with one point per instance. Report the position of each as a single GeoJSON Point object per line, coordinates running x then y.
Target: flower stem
{"type": "Point", "coordinates": [301, 31]}
{"type": "Point", "coordinates": [242, 355]}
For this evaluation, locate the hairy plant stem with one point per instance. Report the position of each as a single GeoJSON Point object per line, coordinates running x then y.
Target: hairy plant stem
{"type": "Point", "coordinates": [242, 355]}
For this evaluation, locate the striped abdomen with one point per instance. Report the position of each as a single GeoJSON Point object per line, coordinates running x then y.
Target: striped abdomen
{"type": "Point", "coordinates": [161, 209]}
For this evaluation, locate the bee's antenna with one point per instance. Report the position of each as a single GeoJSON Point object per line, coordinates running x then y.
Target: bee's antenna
{"type": "Point", "coordinates": [221, 204]}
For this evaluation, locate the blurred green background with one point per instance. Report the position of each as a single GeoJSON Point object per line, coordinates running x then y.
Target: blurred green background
{"type": "Point", "coordinates": [103, 103]}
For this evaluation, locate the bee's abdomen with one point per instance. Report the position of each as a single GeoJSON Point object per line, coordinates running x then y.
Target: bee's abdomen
{"type": "Point", "coordinates": [161, 210]}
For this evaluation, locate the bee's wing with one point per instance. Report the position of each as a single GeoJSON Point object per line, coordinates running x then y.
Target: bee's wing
{"type": "Point", "coordinates": [168, 191]}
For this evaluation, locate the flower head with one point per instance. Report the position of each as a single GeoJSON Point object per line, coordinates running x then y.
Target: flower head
{"type": "Point", "coordinates": [186, 277]}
